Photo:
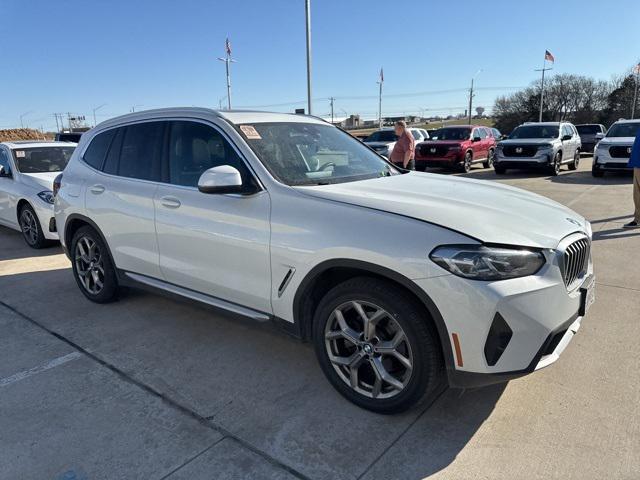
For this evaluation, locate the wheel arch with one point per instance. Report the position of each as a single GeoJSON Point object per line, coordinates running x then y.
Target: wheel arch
{"type": "Point", "coordinates": [76, 221]}
{"type": "Point", "coordinates": [20, 205]}
{"type": "Point", "coordinates": [327, 274]}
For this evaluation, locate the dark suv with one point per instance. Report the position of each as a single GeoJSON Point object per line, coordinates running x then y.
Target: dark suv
{"type": "Point", "coordinates": [457, 147]}
{"type": "Point", "coordinates": [589, 135]}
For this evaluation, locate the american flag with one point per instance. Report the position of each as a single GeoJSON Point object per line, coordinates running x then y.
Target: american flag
{"type": "Point", "coordinates": [548, 56]}
{"type": "Point", "coordinates": [227, 46]}
{"type": "Point", "coordinates": [381, 76]}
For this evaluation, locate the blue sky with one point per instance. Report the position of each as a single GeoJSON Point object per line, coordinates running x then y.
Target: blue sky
{"type": "Point", "coordinates": [73, 55]}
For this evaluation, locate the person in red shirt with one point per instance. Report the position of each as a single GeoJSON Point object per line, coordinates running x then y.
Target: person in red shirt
{"type": "Point", "coordinates": [403, 150]}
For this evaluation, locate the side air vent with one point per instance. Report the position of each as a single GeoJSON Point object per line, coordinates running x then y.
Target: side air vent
{"type": "Point", "coordinates": [285, 281]}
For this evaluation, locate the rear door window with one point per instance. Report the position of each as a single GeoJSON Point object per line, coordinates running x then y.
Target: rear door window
{"type": "Point", "coordinates": [141, 152]}
{"type": "Point", "coordinates": [113, 154]}
{"type": "Point", "coordinates": [97, 150]}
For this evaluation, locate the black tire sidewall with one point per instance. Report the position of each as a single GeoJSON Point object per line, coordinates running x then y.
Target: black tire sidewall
{"type": "Point", "coordinates": [426, 353]}
{"type": "Point", "coordinates": [40, 241]}
{"type": "Point", "coordinates": [110, 289]}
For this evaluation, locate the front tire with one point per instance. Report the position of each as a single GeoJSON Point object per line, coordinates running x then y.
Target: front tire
{"type": "Point", "coordinates": [466, 163]}
{"type": "Point", "coordinates": [554, 167]}
{"type": "Point", "coordinates": [93, 269]}
{"type": "Point", "coordinates": [500, 170]}
{"type": "Point", "coordinates": [374, 345]}
{"type": "Point", "coordinates": [30, 227]}
{"type": "Point", "coordinates": [596, 172]}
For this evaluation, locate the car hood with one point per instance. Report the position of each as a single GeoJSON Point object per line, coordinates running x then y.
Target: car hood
{"type": "Point", "coordinates": [487, 211]}
{"type": "Point", "coordinates": [380, 144]}
{"type": "Point", "coordinates": [40, 180]}
{"type": "Point", "coordinates": [528, 141]}
{"type": "Point", "coordinates": [617, 141]}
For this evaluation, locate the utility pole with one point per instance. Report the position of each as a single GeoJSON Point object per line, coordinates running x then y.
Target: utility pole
{"type": "Point", "coordinates": [228, 60]}
{"type": "Point", "coordinates": [380, 82]}
{"type": "Point", "coordinates": [636, 71]}
{"type": "Point", "coordinates": [22, 116]}
{"type": "Point", "coordinates": [544, 69]}
{"type": "Point", "coordinates": [331, 100]}
{"type": "Point", "coordinates": [57, 126]}
{"type": "Point", "coordinates": [471, 95]}
{"type": "Point", "coordinates": [94, 113]}
{"type": "Point", "coordinates": [307, 10]}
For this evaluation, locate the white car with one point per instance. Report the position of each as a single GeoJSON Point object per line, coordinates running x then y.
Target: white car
{"type": "Point", "coordinates": [27, 171]}
{"type": "Point", "coordinates": [397, 278]}
{"type": "Point", "coordinates": [613, 151]}
{"type": "Point", "coordinates": [383, 140]}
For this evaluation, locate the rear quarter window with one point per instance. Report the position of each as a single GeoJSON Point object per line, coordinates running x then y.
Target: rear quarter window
{"type": "Point", "coordinates": [95, 154]}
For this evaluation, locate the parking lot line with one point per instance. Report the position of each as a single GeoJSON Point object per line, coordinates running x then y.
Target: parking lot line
{"type": "Point", "coordinates": [39, 369]}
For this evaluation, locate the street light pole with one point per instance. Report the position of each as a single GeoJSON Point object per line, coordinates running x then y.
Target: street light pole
{"type": "Point", "coordinates": [94, 113]}
{"type": "Point", "coordinates": [331, 100]}
{"type": "Point", "coordinates": [543, 69]}
{"type": "Point", "coordinates": [307, 8]}
{"type": "Point", "coordinates": [471, 94]}
{"type": "Point", "coordinates": [227, 61]}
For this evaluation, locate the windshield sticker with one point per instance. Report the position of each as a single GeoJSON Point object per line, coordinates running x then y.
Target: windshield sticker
{"type": "Point", "coordinates": [250, 132]}
{"type": "Point", "coordinates": [20, 153]}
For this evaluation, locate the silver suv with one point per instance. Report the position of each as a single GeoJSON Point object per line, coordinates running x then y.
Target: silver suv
{"type": "Point", "coordinates": [614, 149]}
{"type": "Point", "coordinates": [547, 145]}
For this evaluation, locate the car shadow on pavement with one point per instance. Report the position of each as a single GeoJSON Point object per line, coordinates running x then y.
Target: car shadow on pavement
{"type": "Point", "coordinates": [585, 178]}
{"type": "Point", "coordinates": [615, 234]}
{"type": "Point", "coordinates": [13, 246]}
{"type": "Point", "coordinates": [250, 379]}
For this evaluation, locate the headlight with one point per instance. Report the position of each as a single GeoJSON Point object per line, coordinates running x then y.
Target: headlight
{"type": "Point", "coordinates": [478, 262]}
{"type": "Point", "coordinates": [546, 146]}
{"type": "Point", "coordinates": [46, 196]}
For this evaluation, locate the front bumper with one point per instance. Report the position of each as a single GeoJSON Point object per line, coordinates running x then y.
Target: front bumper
{"type": "Point", "coordinates": [449, 160]}
{"type": "Point", "coordinates": [540, 160]}
{"type": "Point", "coordinates": [606, 162]}
{"type": "Point", "coordinates": [541, 314]}
{"type": "Point", "coordinates": [46, 218]}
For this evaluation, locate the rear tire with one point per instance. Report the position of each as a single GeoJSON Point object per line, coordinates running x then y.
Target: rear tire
{"type": "Point", "coordinates": [351, 355]}
{"type": "Point", "coordinates": [489, 162]}
{"type": "Point", "coordinates": [30, 228]}
{"type": "Point", "coordinates": [576, 161]}
{"type": "Point", "coordinates": [93, 269]}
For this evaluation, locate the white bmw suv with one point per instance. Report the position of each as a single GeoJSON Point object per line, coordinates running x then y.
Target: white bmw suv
{"type": "Point", "coordinates": [400, 279]}
{"type": "Point", "coordinates": [27, 172]}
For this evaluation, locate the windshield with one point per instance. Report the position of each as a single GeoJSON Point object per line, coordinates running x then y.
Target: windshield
{"type": "Point", "coordinates": [461, 133]}
{"type": "Point", "coordinates": [536, 131]}
{"type": "Point", "coordinates": [42, 159]}
{"type": "Point", "coordinates": [311, 154]}
{"type": "Point", "coordinates": [623, 130]}
{"type": "Point", "coordinates": [382, 136]}
{"type": "Point", "coordinates": [588, 129]}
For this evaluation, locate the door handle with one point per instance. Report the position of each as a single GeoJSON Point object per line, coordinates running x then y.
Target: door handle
{"type": "Point", "coordinates": [170, 202]}
{"type": "Point", "coordinates": [97, 189]}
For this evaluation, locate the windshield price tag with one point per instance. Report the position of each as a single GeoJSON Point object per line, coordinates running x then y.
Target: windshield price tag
{"type": "Point", "coordinates": [250, 132]}
{"type": "Point", "coordinates": [20, 153]}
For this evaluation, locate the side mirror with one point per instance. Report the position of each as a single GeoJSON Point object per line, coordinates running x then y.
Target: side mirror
{"type": "Point", "coordinates": [567, 137]}
{"type": "Point", "coordinates": [599, 136]}
{"type": "Point", "coordinates": [3, 172]}
{"type": "Point", "coordinates": [476, 139]}
{"type": "Point", "coordinates": [222, 179]}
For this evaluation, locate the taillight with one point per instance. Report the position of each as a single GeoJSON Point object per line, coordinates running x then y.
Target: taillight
{"type": "Point", "coordinates": [57, 183]}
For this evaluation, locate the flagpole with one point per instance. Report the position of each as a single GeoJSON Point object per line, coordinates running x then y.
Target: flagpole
{"type": "Point", "coordinates": [380, 99]}
{"type": "Point", "coordinates": [307, 11]}
{"type": "Point", "coordinates": [635, 92]}
{"type": "Point", "coordinates": [227, 61]}
{"type": "Point", "coordinates": [543, 69]}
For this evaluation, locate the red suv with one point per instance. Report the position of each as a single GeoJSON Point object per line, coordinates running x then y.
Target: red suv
{"type": "Point", "coordinates": [457, 146]}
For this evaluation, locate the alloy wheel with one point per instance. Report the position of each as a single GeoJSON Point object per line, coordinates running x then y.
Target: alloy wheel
{"type": "Point", "coordinates": [467, 163]}
{"type": "Point", "coordinates": [29, 226]}
{"type": "Point", "coordinates": [368, 349]}
{"type": "Point", "coordinates": [89, 265]}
